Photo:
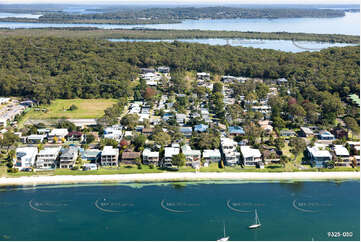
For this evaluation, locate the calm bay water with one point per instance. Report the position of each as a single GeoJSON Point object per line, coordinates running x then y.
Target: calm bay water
{"type": "Point", "coordinates": [283, 45]}
{"type": "Point", "coordinates": [19, 15]}
{"type": "Point", "coordinates": [349, 24]}
{"type": "Point", "coordinates": [287, 211]}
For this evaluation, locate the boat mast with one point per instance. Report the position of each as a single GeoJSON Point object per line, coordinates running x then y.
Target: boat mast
{"type": "Point", "coordinates": [256, 216]}
{"type": "Point", "coordinates": [224, 229]}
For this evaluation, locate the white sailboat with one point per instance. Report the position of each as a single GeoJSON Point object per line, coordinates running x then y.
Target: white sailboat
{"type": "Point", "coordinates": [257, 223]}
{"type": "Point", "coordinates": [224, 238]}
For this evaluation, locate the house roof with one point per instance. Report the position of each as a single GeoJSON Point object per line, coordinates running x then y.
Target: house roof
{"type": "Point", "coordinates": [58, 132]}
{"type": "Point", "coordinates": [211, 153]}
{"type": "Point", "coordinates": [341, 150]}
{"type": "Point", "coordinates": [325, 133]}
{"type": "Point", "coordinates": [307, 130]}
{"type": "Point", "coordinates": [187, 150]}
{"type": "Point", "coordinates": [200, 127]}
{"type": "Point", "coordinates": [185, 129]}
{"type": "Point", "coordinates": [170, 151]}
{"type": "Point", "coordinates": [130, 155]}
{"type": "Point", "coordinates": [318, 151]}
{"type": "Point", "coordinates": [36, 136]}
{"type": "Point", "coordinates": [50, 151]}
{"type": "Point", "coordinates": [236, 130]}
{"type": "Point", "coordinates": [147, 130]}
{"type": "Point", "coordinates": [109, 150]}
{"type": "Point", "coordinates": [247, 151]}
{"type": "Point", "coordinates": [149, 153]}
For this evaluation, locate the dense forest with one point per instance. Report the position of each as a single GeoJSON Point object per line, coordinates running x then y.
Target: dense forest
{"type": "Point", "coordinates": [49, 68]}
{"type": "Point", "coordinates": [81, 32]}
{"type": "Point", "coordinates": [174, 15]}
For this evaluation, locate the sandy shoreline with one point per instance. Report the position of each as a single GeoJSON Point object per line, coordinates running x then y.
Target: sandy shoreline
{"type": "Point", "coordinates": [181, 176]}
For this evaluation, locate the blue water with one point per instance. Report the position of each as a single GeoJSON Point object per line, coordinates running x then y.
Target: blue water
{"type": "Point", "coordinates": [349, 24]}
{"type": "Point", "coordinates": [19, 15]}
{"type": "Point", "coordinates": [283, 45]}
{"type": "Point", "coordinates": [287, 211]}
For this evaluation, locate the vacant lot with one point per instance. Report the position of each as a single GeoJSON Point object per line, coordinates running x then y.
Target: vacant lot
{"type": "Point", "coordinates": [86, 108]}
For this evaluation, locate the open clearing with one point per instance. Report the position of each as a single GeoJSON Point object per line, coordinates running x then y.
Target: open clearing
{"type": "Point", "coordinates": [59, 108]}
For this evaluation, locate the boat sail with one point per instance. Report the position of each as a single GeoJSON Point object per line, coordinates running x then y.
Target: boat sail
{"type": "Point", "coordinates": [257, 223]}
{"type": "Point", "coordinates": [224, 238]}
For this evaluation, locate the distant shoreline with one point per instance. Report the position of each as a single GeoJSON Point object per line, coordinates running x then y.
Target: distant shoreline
{"type": "Point", "coordinates": [181, 176]}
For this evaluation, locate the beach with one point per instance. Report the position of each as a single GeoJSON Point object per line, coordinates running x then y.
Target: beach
{"type": "Point", "coordinates": [181, 176]}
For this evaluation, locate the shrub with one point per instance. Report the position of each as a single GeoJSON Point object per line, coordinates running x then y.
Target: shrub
{"type": "Point", "coordinates": [151, 166]}
{"type": "Point", "coordinates": [13, 170]}
{"type": "Point", "coordinates": [75, 168]}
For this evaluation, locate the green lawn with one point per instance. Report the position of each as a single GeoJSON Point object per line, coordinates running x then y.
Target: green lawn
{"type": "Point", "coordinates": [133, 169]}
{"type": "Point", "coordinates": [87, 108]}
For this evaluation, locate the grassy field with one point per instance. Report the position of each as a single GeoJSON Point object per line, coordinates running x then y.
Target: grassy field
{"type": "Point", "coordinates": [87, 108]}
{"type": "Point", "coordinates": [133, 169]}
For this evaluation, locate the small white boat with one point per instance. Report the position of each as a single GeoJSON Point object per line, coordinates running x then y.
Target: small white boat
{"type": "Point", "coordinates": [224, 238]}
{"type": "Point", "coordinates": [257, 223]}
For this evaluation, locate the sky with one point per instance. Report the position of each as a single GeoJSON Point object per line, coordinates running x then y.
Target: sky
{"type": "Point", "coordinates": [183, 1]}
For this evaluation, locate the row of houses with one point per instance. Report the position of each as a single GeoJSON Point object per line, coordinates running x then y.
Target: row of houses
{"type": "Point", "coordinates": [322, 155]}
{"type": "Point", "coordinates": [59, 157]}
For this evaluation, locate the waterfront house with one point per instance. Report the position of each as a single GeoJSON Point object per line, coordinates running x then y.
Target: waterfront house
{"type": "Point", "coordinates": [231, 158]}
{"type": "Point", "coordinates": [354, 147]}
{"type": "Point", "coordinates": [230, 155]}
{"type": "Point", "coordinates": [191, 155]}
{"type": "Point", "coordinates": [325, 135]}
{"type": "Point", "coordinates": [25, 157]}
{"type": "Point", "coordinates": [150, 157]}
{"type": "Point", "coordinates": [169, 152]}
{"type": "Point", "coordinates": [211, 156]}
{"type": "Point", "coordinates": [250, 156]}
{"type": "Point", "coordinates": [91, 155]}
{"type": "Point", "coordinates": [342, 156]}
{"type": "Point", "coordinates": [109, 156]}
{"type": "Point", "coordinates": [47, 158]}
{"type": "Point", "coordinates": [318, 155]}
{"type": "Point", "coordinates": [130, 157]}
{"type": "Point", "coordinates": [68, 157]}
